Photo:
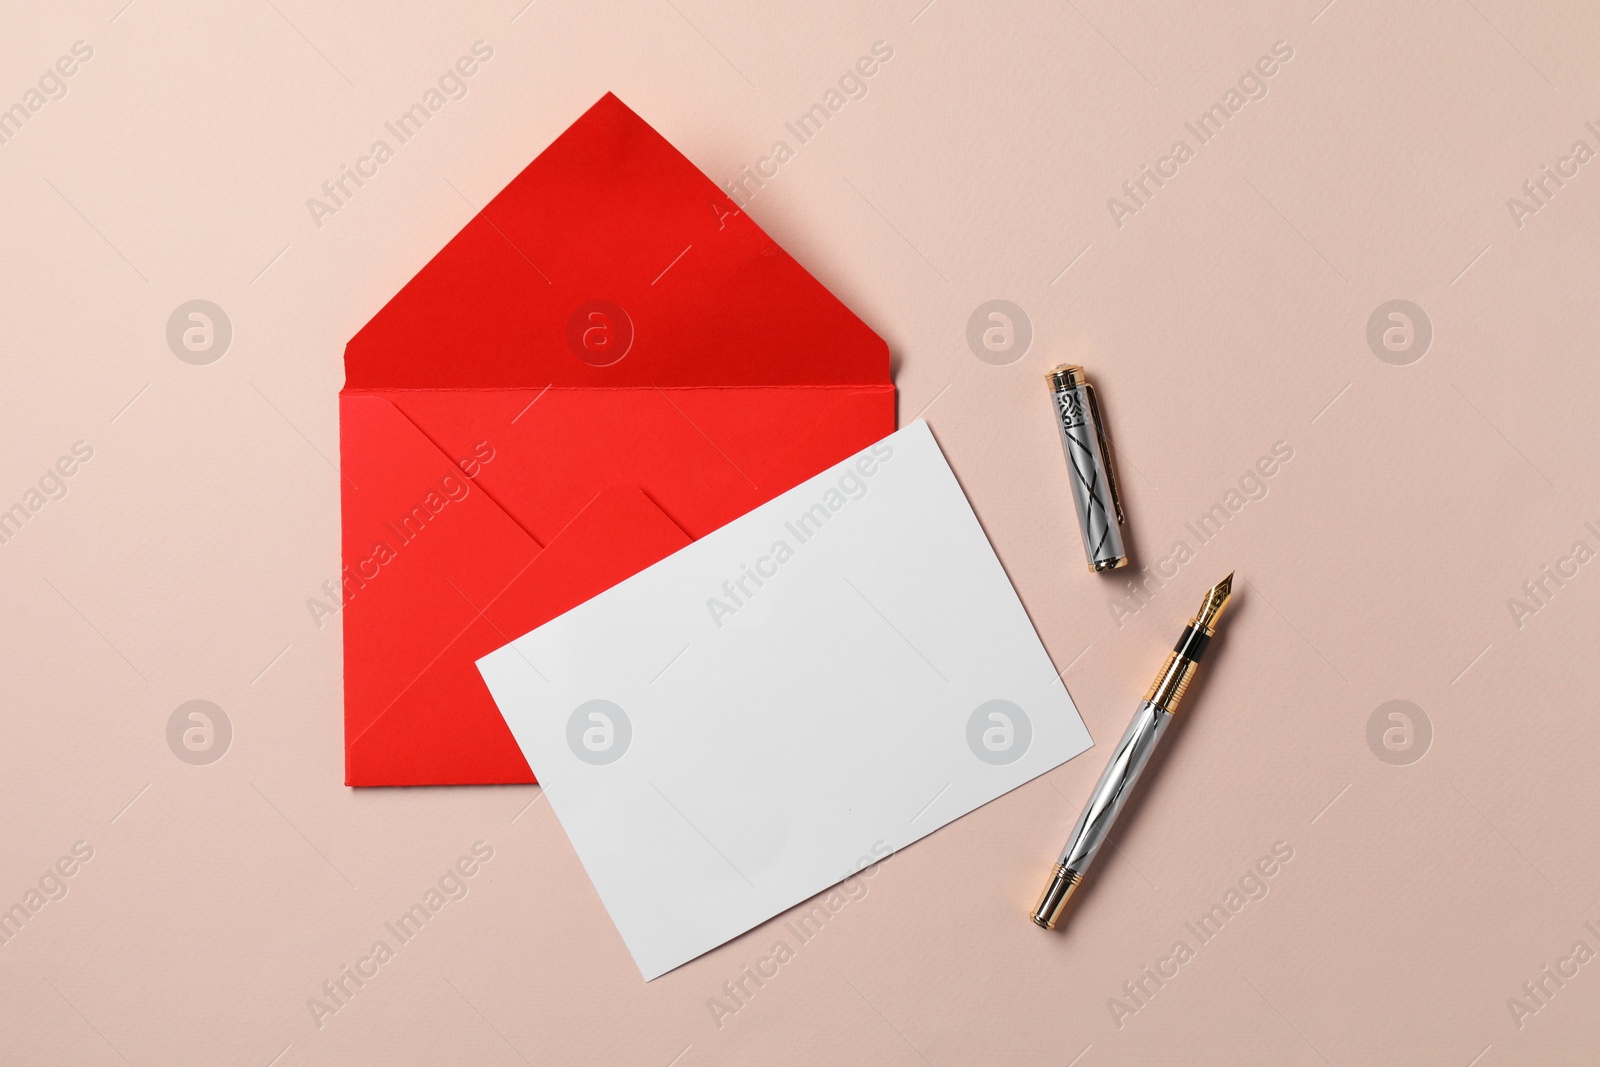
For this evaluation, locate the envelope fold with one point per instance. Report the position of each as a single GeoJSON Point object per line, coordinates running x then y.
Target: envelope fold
{"type": "Point", "coordinates": [433, 733]}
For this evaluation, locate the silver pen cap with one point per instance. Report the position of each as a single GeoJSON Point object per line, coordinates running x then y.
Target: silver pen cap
{"type": "Point", "coordinates": [1094, 482]}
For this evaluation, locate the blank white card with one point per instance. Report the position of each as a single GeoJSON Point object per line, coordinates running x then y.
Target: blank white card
{"type": "Point", "coordinates": [833, 675]}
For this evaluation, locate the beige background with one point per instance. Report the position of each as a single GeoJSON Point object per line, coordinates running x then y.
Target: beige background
{"type": "Point", "coordinates": [1229, 313]}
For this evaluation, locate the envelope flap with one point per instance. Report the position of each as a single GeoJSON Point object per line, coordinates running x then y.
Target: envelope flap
{"type": "Point", "coordinates": [443, 728]}
{"type": "Point", "coordinates": [606, 259]}
{"type": "Point", "coordinates": [422, 543]}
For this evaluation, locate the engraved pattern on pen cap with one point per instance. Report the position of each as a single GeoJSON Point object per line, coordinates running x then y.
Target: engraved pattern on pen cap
{"type": "Point", "coordinates": [1080, 458]}
{"type": "Point", "coordinates": [1071, 409]}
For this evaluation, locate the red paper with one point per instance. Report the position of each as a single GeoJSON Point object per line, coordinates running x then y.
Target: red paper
{"type": "Point", "coordinates": [609, 361]}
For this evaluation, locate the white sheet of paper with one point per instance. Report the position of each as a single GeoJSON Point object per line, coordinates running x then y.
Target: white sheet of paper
{"type": "Point", "coordinates": [827, 678]}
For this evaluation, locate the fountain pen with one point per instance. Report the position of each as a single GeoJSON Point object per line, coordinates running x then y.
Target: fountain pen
{"type": "Point", "coordinates": [1132, 753]}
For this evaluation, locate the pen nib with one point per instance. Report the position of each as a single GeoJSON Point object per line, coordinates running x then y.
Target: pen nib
{"type": "Point", "coordinates": [1216, 600]}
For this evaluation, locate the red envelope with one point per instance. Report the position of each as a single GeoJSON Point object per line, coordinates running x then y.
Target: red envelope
{"type": "Point", "coordinates": [609, 361]}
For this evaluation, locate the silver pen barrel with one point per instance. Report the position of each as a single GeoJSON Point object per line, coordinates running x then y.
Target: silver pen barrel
{"type": "Point", "coordinates": [1127, 763]}
{"type": "Point", "coordinates": [1105, 804]}
{"type": "Point", "coordinates": [1130, 758]}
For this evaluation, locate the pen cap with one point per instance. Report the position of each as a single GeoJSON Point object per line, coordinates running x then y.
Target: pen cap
{"type": "Point", "coordinates": [1094, 482]}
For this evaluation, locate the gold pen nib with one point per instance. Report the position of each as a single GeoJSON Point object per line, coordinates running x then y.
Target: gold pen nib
{"type": "Point", "coordinates": [1216, 600]}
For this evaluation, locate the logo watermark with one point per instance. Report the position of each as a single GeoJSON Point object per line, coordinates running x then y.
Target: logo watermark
{"type": "Point", "coordinates": [1399, 332]}
{"type": "Point", "coordinates": [1399, 732]}
{"type": "Point", "coordinates": [1538, 191]}
{"type": "Point", "coordinates": [1538, 591]}
{"type": "Point", "coordinates": [199, 732]}
{"type": "Point", "coordinates": [338, 191]}
{"type": "Point", "coordinates": [599, 332]}
{"type": "Point", "coordinates": [1251, 486]}
{"type": "Point", "coordinates": [802, 927]}
{"type": "Point", "coordinates": [599, 732]}
{"type": "Point", "coordinates": [999, 332]}
{"type": "Point", "coordinates": [51, 886]}
{"type": "Point", "coordinates": [404, 530]}
{"type": "Point", "coordinates": [738, 591]}
{"type": "Point", "coordinates": [50, 86]}
{"type": "Point", "coordinates": [999, 732]}
{"type": "Point", "coordinates": [851, 86]}
{"type": "Point", "coordinates": [338, 991]}
{"type": "Point", "coordinates": [52, 485]}
{"type": "Point", "coordinates": [1252, 85]}
{"type": "Point", "coordinates": [1551, 979]}
{"type": "Point", "coordinates": [1251, 887]}
{"type": "Point", "coordinates": [199, 332]}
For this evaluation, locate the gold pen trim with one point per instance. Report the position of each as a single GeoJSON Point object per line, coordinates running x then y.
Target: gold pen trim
{"type": "Point", "coordinates": [1167, 691]}
{"type": "Point", "coordinates": [1063, 883]}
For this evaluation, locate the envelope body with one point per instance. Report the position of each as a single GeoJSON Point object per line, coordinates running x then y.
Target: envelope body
{"type": "Point", "coordinates": [608, 362]}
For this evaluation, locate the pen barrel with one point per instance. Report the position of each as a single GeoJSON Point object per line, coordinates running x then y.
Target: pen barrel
{"type": "Point", "coordinates": [1094, 487]}
{"type": "Point", "coordinates": [1116, 782]}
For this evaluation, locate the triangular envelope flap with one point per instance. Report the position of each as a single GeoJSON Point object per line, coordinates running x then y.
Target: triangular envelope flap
{"type": "Point", "coordinates": [619, 534]}
{"type": "Point", "coordinates": [422, 543]}
{"type": "Point", "coordinates": [444, 728]}
{"type": "Point", "coordinates": [612, 246]}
